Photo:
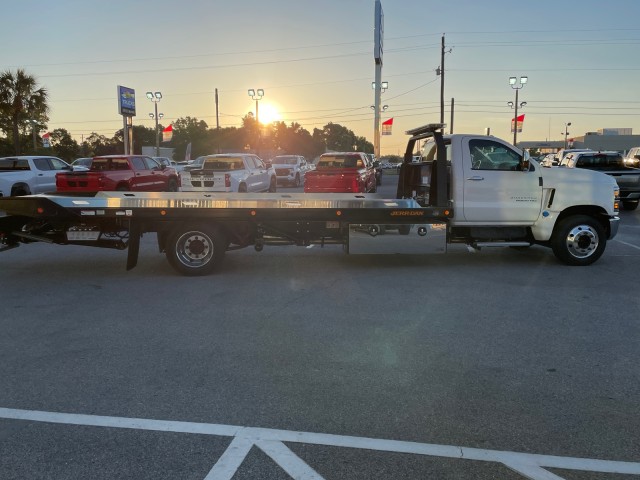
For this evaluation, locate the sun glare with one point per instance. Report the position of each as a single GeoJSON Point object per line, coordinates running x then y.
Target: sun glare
{"type": "Point", "coordinates": [268, 113]}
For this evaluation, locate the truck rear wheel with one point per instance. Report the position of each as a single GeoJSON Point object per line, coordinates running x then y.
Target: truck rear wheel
{"type": "Point", "coordinates": [578, 240]}
{"type": "Point", "coordinates": [196, 250]}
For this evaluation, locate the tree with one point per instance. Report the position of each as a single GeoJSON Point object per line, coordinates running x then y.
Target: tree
{"type": "Point", "coordinates": [96, 145]}
{"type": "Point", "coordinates": [189, 130]}
{"type": "Point", "coordinates": [64, 146]}
{"type": "Point", "coordinates": [340, 139]}
{"type": "Point", "coordinates": [21, 101]}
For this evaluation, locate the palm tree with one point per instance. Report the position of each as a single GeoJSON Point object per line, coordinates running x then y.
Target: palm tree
{"type": "Point", "coordinates": [21, 100]}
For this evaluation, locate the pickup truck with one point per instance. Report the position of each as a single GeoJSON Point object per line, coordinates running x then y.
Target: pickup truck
{"type": "Point", "coordinates": [230, 172]}
{"type": "Point", "coordinates": [472, 190]}
{"type": "Point", "coordinates": [136, 173]}
{"type": "Point", "coordinates": [290, 169]}
{"type": "Point", "coordinates": [342, 172]}
{"type": "Point", "coordinates": [28, 175]}
{"type": "Point", "coordinates": [613, 164]}
{"type": "Point", "coordinates": [633, 157]}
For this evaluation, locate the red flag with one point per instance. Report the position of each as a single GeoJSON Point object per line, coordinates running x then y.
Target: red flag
{"type": "Point", "coordinates": [386, 126]}
{"type": "Point", "coordinates": [520, 122]}
{"type": "Point", "coordinates": [167, 134]}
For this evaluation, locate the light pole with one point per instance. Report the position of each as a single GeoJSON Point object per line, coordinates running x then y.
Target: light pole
{"type": "Point", "coordinates": [256, 95]}
{"type": "Point", "coordinates": [566, 133]}
{"type": "Point", "coordinates": [155, 97]}
{"type": "Point", "coordinates": [517, 84]}
{"type": "Point", "coordinates": [379, 87]}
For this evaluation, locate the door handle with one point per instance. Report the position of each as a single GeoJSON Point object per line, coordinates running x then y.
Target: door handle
{"type": "Point", "coordinates": [476, 178]}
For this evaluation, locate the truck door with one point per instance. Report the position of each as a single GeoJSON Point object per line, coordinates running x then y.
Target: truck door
{"type": "Point", "coordinates": [258, 176]}
{"type": "Point", "coordinates": [141, 180]}
{"type": "Point", "coordinates": [157, 178]}
{"type": "Point", "coordinates": [495, 189]}
{"type": "Point", "coordinates": [45, 175]}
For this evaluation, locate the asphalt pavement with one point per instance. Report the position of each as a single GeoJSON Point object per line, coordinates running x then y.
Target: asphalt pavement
{"type": "Point", "coordinates": [303, 362]}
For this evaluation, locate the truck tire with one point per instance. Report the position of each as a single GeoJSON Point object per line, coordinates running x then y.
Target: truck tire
{"type": "Point", "coordinates": [296, 182]}
{"type": "Point", "coordinates": [273, 185]}
{"type": "Point", "coordinates": [242, 188]}
{"type": "Point", "coordinates": [20, 189]}
{"type": "Point", "coordinates": [196, 250]}
{"type": "Point", "coordinates": [122, 188]}
{"type": "Point", "coordinates": [578, 240]}
{"type": "Point", "coordinates": [172, 185]}
{"type": "Point", "coordinates": [630, 204]}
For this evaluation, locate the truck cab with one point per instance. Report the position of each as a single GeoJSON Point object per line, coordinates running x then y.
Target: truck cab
{"type": "Point", "coordinates": [500, 198]}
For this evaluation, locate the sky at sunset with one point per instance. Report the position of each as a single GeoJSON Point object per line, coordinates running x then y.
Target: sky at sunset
{"type": "Point", "coordinates": [314, 61]}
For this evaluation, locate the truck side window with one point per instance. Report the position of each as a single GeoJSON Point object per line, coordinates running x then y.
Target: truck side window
{"type": "Point", "coordinates": [42, 163]}
{"type": "Point", "coordinates": [138, 163]}
{"type": "Point", "coordinates": [491, 155]}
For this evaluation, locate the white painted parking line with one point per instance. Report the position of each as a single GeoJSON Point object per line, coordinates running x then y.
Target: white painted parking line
{"type": "Point", "coordinates": [627, 244]}
{"type": "Point", "coordinates": [271, 441]}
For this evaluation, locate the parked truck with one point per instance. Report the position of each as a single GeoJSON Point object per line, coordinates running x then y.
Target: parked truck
{"type": "Point", "coordinates": [612, 163]}
{"type": "Point", "coordinates": [25, 175]}
{"type": "Point", "coordinates": [136, 173]}
{"type": "Point", "coordinates": [468, 189]}
{"type": "Point", "coordinates": [342, 172]}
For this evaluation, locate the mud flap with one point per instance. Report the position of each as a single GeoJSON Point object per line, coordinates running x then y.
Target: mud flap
{"type": "Point", "coordinates": [134, 245]}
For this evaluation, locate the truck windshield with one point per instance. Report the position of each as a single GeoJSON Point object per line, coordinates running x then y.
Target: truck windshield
{"type": "Point", "coordinates": [285, 161]}
{"type": "Point", "coordinates": [222, 164]}
{"type": "Point", "coordinates": [14, 164]}
{"type": "Point", "coordinates": [340, 161]}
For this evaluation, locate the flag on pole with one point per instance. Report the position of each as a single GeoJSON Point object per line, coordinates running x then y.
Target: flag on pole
{"type": "Point", "coordinates": [187, 154]}
{"type": "Point", "coordinates": [386, 126]}
{"type": "Point", "coordinates": [46, 140]}
{"type": "Point", "coordinates": [520, 122]}
{"type": "Point", "coordinates": [167, 134]}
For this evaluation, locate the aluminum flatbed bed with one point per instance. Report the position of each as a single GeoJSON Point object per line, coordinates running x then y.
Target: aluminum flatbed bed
{"type": "Point", "coordinates": [195, 229]}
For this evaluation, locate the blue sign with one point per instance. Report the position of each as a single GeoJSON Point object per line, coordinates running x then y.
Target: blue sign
{"type": "Point", "coordinates": [126, 101]}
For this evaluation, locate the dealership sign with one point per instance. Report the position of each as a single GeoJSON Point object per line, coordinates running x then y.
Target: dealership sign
{"type": "Point", "coordinates": [126, 101]}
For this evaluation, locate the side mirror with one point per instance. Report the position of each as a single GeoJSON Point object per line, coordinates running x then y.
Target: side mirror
{"type": "Point", "coordinates": [376, 163]}
{"type": "Point", "coordinates": [525, 164]}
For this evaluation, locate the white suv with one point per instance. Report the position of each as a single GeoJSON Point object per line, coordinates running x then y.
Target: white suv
{"type": "Point", "coordinates": [290, 169]}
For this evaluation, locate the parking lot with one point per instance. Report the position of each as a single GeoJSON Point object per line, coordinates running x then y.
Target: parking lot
{"type": "Point", "coordinates": [308, 363]}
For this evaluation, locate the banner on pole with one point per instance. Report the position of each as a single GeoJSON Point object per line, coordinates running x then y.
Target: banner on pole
{"type": "Point", "coordinates": [387, 126]}
{"type": "Point", "coordinates": [167, 134]}
{"type": "Point", "coordinates": [187, 154]}
{"type": "Point", "coordinates": [46, 140]}
{"type": "Point", "coordinates": [520, 122]}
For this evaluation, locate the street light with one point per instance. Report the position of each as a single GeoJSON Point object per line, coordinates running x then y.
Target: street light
{"type": "Point", "coordinates": [566, 133]}
{"type": "Point", "coordinates": [155, 97]}
{"type": "Point", "coordinates": [383, 86]}
{"type": "Point", "coordinates": [256, 95]}
{"type": "Point", "coordinates": [517, 84]}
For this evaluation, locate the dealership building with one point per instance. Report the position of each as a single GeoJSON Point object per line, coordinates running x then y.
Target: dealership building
{"type": "Point", "coordinates": [617, 139]}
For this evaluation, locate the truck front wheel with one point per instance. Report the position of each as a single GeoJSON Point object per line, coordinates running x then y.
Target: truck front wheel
{"type": "Point", "coordinates": [578, 240]}
{"type": "Point", "coordinates": [196, 250]}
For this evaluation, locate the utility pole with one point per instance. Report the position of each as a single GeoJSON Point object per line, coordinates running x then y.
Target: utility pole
{"type": "Point", "coordinates": [442, 80]}
{"type": "Point", "coordinates": [217, 118]}
{"type": "Point", "coordinates": [452, 108]}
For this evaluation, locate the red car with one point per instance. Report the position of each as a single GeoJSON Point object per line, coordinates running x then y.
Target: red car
{"type": "Point", "coordinates": [136, 173]}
